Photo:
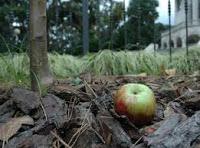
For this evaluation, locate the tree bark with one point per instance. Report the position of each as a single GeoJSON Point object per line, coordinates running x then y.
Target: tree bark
{"type": "Point", "coordinates": [98, 18]}
{"type": "Point", "coordinates": [111, 25]}
{"type": "Point", "coordinates": [39, 68]}
{"type": "Point", "coordinates": [85, 22]}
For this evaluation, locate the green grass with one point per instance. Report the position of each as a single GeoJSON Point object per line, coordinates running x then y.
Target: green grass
{"type": "Point", "coordinates": [14, 68]}
{"type": "Point", "coordinates": [65, 65]}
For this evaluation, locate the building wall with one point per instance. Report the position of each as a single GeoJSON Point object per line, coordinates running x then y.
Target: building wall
{"type": "Point", "coordinates": [179, 34]}
{"type": "Point", "coordinates": [179, 11]}
{"type": "Point", "coordinates": [178, 30]}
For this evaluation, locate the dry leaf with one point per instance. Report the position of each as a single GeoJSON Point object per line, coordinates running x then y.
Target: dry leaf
{"type": "Point", "coordinates": [89, 90]}
{"type": "Point", "coordinates": [162, 69]}
{"type": "Point", "coordinates": [168, 111]}
{"type": "Point", "coordinates": [10, 128]}
{"type": "Point", "coordinates": [170, 72]}
{"type": "Point", "coordinates": [137, 75]}
{"type": "Point", "coordinates": [142, 75]}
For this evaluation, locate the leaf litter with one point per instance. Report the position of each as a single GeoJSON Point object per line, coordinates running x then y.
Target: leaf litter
{"type": "Point", "coordinates": [82, 115]}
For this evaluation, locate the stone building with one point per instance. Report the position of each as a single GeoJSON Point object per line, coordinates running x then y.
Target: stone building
{"type": "Point", "coordinates": [178, 30]}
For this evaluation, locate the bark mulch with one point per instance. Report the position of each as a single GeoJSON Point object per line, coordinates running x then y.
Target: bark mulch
{"type": "Point", "coordinates": [79, 113]}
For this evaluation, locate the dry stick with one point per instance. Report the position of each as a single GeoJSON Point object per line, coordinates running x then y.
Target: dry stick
{"type": "Point", "coordinates": [136, 142]}
{"type": "Point", "coordinates": [69, 114]}
{"type": "Point", "coordinates": [77, 135]}
{"type": "Point", "coordinates": [77, 132]}
{"type": "Point", "coordinates": [185, 94]}
{"type": "Point", "coordinates": [90, 89]}
{"type": "Point", "coordinates": [82, 126]}
{"type": "Point", "coordinates": [82, 131]}
{"type": "Point", "coordinates": [60, 139]}
{"type": "Point", "coordinates": [40, 94]}
{"type": "Point", "coordinates": [97, 104]}
{"type": "Point", "coordinates": [100, 137]}
{"type": "Point", "coordinates": [54, 144]}
{"type": "Point", "coordinates": [44, 111]}
{"type": "Point", "coordinates": [3, 145]}
{"type": "Point", "coordinates": [57, 144]}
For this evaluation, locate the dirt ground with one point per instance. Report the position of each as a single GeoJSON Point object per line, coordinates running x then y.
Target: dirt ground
{"type": "Point", "coordinates": [79, 113]}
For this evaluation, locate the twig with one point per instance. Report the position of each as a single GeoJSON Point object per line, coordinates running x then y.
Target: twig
{"type": "Point", "coordinates": [136, 142]}
{"type": "Point", "coordinates": [86, 84]}
{"type": "Point", "coordinates": [60, 139]}
{"type": "Point", "coordinates": [3, 145]}
{"type": "Point", "coordinates": [69, 114]}
{"type": "Point", "coordinates": [40, 95]}
{"type": "Point", "coordinates": [100, 137]}
{"type": "Point", "coordinates": [81, 131]}
{"type": "Point", "coordinates": [185, 94]}
{"type": "Point", "coordinates": [44, 111]}
{"type": "Point", "coordinates": [77, 133]}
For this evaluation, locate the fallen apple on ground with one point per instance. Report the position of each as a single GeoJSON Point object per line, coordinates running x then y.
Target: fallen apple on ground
{"type": "Point", "coordinates": [137, 102]}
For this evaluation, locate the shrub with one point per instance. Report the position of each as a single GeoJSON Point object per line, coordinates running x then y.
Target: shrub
{"type": "Point", "coordinates": [193, 39]}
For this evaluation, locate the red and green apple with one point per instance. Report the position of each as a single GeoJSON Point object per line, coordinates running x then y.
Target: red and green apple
{"type": "Point", "coordinates": [137, 102]}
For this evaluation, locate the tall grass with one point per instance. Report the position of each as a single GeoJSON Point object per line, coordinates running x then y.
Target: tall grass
{"type": "Point", "coordinates": [14, 68]}
{"type": "Point", "coordinates": [107, 62]}
{"type": "Point", "coordinates": [65, 65]}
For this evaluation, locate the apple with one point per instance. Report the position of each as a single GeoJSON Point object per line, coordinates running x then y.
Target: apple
{"type": "Point", "coordinates": [137, 102]}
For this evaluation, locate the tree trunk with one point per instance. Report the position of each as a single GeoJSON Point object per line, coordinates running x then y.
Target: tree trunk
{"type": "Point", "coordinates": [39, 68]}
{"type": "Point", "coordinates": [85, 26]}
{"type": "Point", "coordinates": [125, 30]}
{"type": "Point", "coordinates": [98, 18]}
{"type": "Point", "coordinates": [111, 25]}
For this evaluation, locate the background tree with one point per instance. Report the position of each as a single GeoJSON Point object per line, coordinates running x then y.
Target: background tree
{"type": "Point", "coordinates": [141, 14]}
{"type": "Point", "coordinates": [39, 68]}
{"type": "Point", "coordinates": [85, 26]}
{"type": "Point", "coordinates": [65, 24]}
{"type": "Point", "coordinates": [13, 24]}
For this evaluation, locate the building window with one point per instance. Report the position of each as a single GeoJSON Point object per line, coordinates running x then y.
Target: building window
{"type": "Point", "coordinates": [172, 43]}
{"type": "Point", "coordinates": [191, 12]}
{"type": "Point", "coordinates": [178, 42]}
{"type": "Point", "coordinates": [178, 5]}
{"type": "Point", "coordinates": [199, 9]}
{"type": "Point", "coordinates": [165, 45]}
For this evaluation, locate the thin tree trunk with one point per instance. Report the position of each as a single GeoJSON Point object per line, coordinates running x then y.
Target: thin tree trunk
{"type": "Point", "coordinates": [98, 17]}
{"type": "Point", "coordinates": [39, 68]}
{"type": "Point", "coordinates": [85, 26]}
{"type": "Point", "coordinates": [125, 29]}
{"type": "Point", "coordinates": [111, 25]}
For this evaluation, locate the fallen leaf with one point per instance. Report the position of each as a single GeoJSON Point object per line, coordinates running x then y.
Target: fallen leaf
{"type": "Point", "coordinates": [142, 75]}
{"type": "Point", "coordinates": [170, 72]}
{"type": "Point", "coordinates": [11, 127]}
{"type": "Point", "coordinates": [150, 130]}
{"type": "Point", "coordinates": [168, 111]}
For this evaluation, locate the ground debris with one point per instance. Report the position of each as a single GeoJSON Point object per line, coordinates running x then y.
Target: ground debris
{"type": "Point", "coordinates": [80, 113]}
{"type": "Point", "coordinates": [56, 110]}
{"type": "Point", "coordinates": [27, 140]}
{"type": "Point", "coordinates": [112, 132]}
{"type": "Point", "coordinates": [25, 100]}
{"type": "Point", "coordinates": [193, 103]}
{"type": "Point", "coordinates": [175, 132]}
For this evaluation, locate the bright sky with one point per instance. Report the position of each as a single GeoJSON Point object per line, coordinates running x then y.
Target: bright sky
{"type": "Point", "coordinates": [162, 10]}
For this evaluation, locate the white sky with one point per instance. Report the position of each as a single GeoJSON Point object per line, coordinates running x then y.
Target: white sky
{"type": "Point", "coordinates": [162, 10]}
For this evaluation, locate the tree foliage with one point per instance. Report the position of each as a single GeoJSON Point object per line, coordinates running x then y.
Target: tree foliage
{"type": "Point", "coordinates": [141, 14]}
{"type": "Point", "coordinates": [64, 24]}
